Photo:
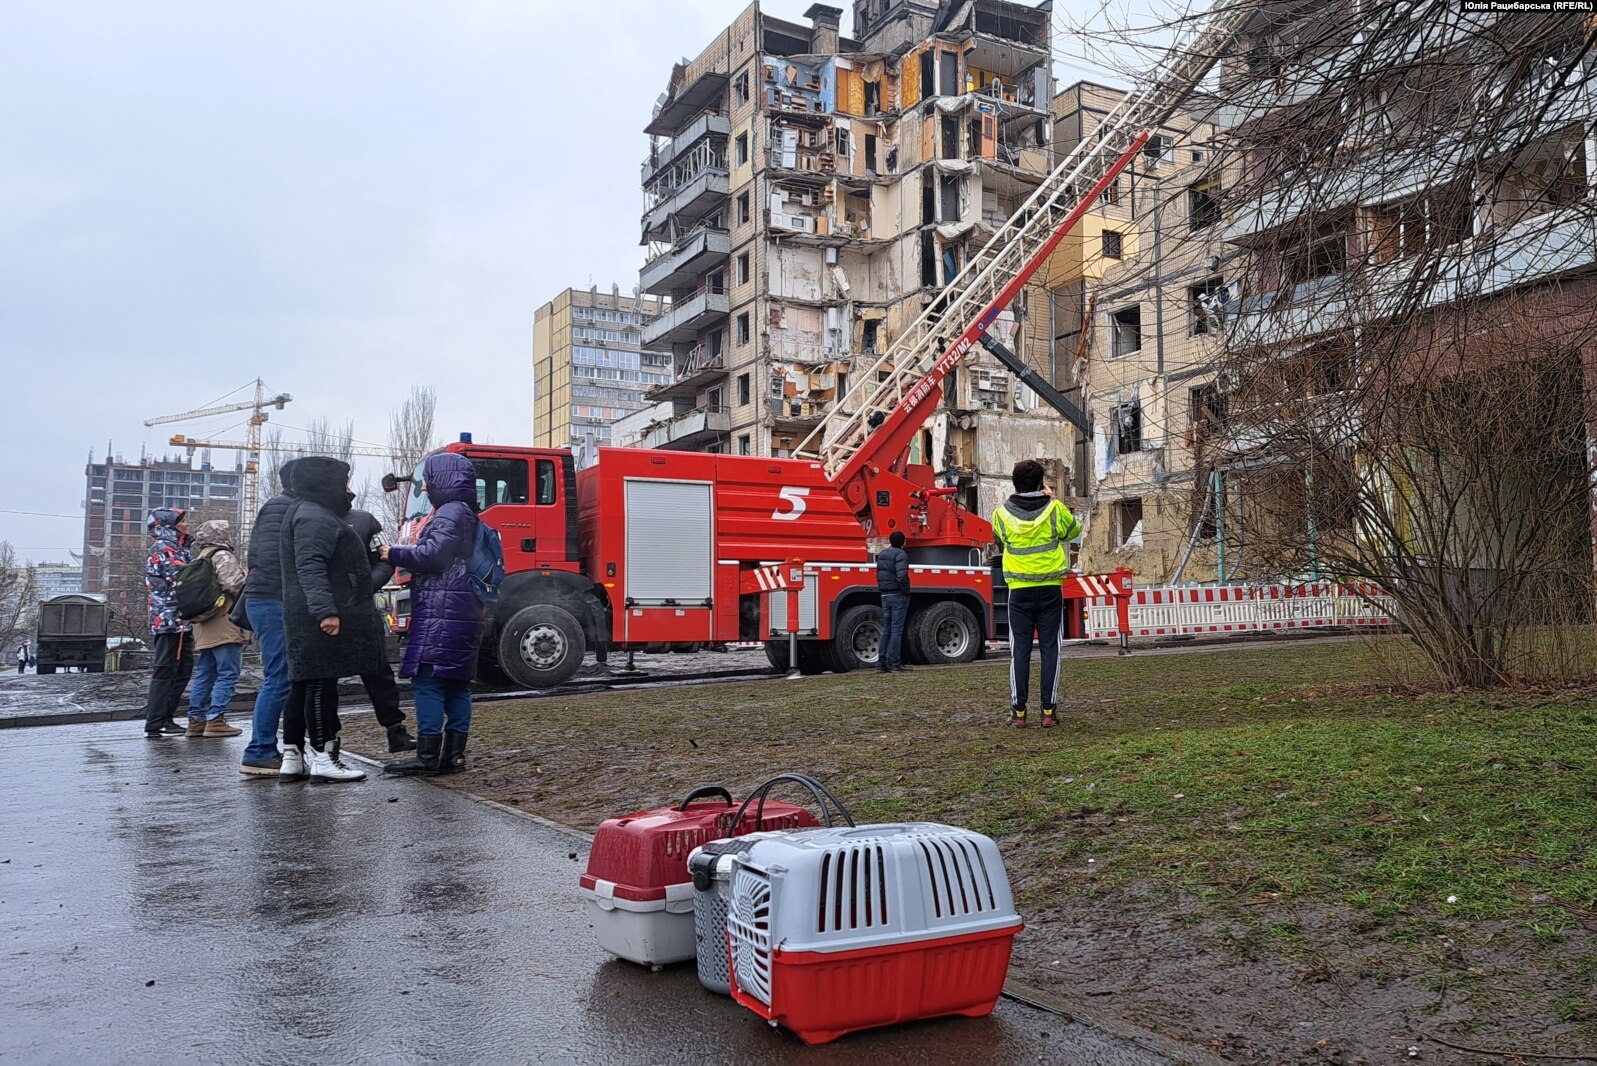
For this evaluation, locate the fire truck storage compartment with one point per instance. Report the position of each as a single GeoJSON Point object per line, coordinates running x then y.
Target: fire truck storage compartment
{"type": "Point", "coordinates": [670, 543]}
{"type": "Point", "coordinates": [806, 611]}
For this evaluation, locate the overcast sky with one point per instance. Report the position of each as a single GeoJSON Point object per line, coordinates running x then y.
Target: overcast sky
{"type": "Point", "coordinates": [344, 197]}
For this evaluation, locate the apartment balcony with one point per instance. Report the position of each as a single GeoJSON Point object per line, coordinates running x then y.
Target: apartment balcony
{"type": "Point", "coordinates": [692, 202]}
{"type": "Point", "coordinates": [1539, 248]}
{"type": "Point", "coordinates": [702, 425]}
{"type": "Point", "coordinates": [699, 367]}
{"type": "Point", "coordinates": [698, 95]}
{"type": "Point", "coordinates": [684, 261]}
{"type": "Point", "coordinates": [702, 127]}
{"type": "Point", "coordinates": [687, 318]}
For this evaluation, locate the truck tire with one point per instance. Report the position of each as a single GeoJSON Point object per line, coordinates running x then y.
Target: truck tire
{"type": "Point", "coordinates": [96, 668]}
{"type": "Point", "coordinates": [811, 660]}
{"type": "Point", "coordinates": [541, 646]}
{"type": "Point", "coordinates": [858, 642]}
{"type": "Point", "coordinates": [776, 652]}
{"type": "Point", "coordinates": [44, 669]}
{"type": "Point", "coordinates": [947, 633]}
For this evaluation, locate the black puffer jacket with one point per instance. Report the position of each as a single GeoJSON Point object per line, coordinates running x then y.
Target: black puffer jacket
{"type": "Point", "coordinates": [325, 575]}
{"type": "Point", "coordinates": [265, 558]}
{"type": "Point", "coordinates": [368, 529]}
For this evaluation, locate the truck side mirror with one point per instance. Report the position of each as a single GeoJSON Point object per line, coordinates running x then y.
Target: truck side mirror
{"type": "Point", "coordinates": [391, 482]}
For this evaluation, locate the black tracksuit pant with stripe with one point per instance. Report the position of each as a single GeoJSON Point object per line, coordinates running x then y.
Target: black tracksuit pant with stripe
{"type": "Point", "coordinates": [1039, 610]}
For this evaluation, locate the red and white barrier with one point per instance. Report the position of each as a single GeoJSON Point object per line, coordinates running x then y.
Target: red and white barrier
{"type": "Point", "coordinates": [1191, 611]}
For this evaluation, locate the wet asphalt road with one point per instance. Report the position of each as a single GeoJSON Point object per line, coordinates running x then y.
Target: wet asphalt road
{"type": "Point", "coordinates": [156, 906]}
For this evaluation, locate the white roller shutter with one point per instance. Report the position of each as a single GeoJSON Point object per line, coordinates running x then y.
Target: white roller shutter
{"type": "Point", "coordinates": [670, 542]}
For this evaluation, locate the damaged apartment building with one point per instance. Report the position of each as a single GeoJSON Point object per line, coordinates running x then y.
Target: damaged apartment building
{"type": "Point", "coordinates": [1139, 297]}
{"type": "Point", "coordinates": [808, 194]}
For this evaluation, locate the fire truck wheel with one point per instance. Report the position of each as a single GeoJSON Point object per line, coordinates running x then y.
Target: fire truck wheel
{"type": "Point", "coordinates": [44, 670]}
{"type": "Point", "coordinates": [811, 659]}
{"type": "Point", "coordinates": [776, 652]}
{"type": "Point", "coordinates": [947, 633]}
{"type": "Point", "coordinates": [541, 646]}
{"type": "Point", "coordinates": [859, 638]}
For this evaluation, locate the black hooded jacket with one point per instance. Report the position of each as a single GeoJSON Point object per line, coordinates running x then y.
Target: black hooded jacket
{"type": "Point", "coordinates": [326, 574]}
{"type": "Point", "coordinates": [265, 559]}
{"type": "Point", "coordinates": [368, 528]}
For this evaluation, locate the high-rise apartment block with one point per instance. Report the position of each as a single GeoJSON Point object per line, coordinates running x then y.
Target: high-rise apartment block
{"type": "Point", "coordinates": [807, 195]}
{"type": "Point", "coordinates": [56, 579]}
{"type": "Point", "coordinates": [588, 370]}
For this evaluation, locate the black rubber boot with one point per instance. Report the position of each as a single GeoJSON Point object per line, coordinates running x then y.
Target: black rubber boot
{"type": "Point", "coordinates": [425, 761]}
{"type": "Point", "coordinates": [453, 760]}
{"type": "Point", "coordinates": [399, 738]}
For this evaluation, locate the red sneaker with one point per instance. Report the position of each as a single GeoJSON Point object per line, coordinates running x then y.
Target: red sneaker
{"type": "Point", "coordinates": [1049, 720]}
{"type": "Point", "coordinates": [1016, 719]}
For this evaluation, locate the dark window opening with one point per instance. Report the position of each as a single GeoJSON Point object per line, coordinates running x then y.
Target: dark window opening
{"type": "Point", "coordinates": [741, 149]}
{"type": "Point", "coordinates": [1111, 244]}
{"type": "Point", "coordinates": [950, 263]}
{"type": "Point", "coordinates": [743, 209]}
{"type": "Point", "coordinates": [740, 88]}
{"type": "Point", "coordinates": [873, 98]}
{"type": "Point", "coordinates": [928, 258]}
{"type": "Point", "coordinates": [1128, 523]}
{"type": "Point", "coordinates": [926, 87]}
{"type": "Point", "coordinates": [1317, 259]}
{"type": "Point", "coordinates": [743, 389]}
{"type": "Point", "coordinates": [948, 74]}
{"type": "Point", "coordinates": [745, 445]}
{"type": "Point", "coordinates": [928, 202]}
{"type": "Point", "coordinates": [870, 153]}
{"type": "Point", "coordinates": [973, 139]}
{"type": "Point", "coordinates": [949, 189]}
{"type": "Point", "coordinates": [1203, 204]}
{"type": "Point", "coordinates": [1111, 194]}
{"type": "Point", "coordinates": [1126, 331]}
{"type": "Point", "coordinates": [868, 334]}
{"type": "Point", "coordinates": [743, 269]}
{"type": "Point", "coordinates": [743, 328]}
{"type": "Point", "coordinates": [1158, 149]}
{"type": "Point", "coordinates": [950, 138]}
{"type": "Point", "coordinates": [1206, 408]}
{"type": "Point", "coordinates": [1127, 427]}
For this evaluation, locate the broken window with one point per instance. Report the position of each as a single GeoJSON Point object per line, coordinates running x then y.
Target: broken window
{"type": "Point", "coordinates": [868, 334]}
{"type": "Point", "coordinates": [740, 88]}
{"type": "Point", "coordinates": [843, 148]}
{"type": "Point", "coordinates": [743, 269]}
{"type": "Point", "coordinates": [1126, 331]}
{"type": "Point", "coordinates": [950, 263]}
{"type": "Point", "coordinates": [1128, 523]}
{"type": "Point", "coordinates": [873, 98]}
{"type": "Point", "coordinates": [870, 154]}
{"type": "Point", "coordinates": [1111, 244]}
{"type": "Point", "coordinates": [714, 399]}
{"type": "Point", "coordinates": [926, 88]}
{"type": "Point", "coordinates": [928, 258]}
{"type": "Point", "coordinates": [950, 139]}
{"type": "Point", "coordinates": [743, 209]}
{"type": "Point", "coordinates": [1206, 303]}
{"type": "Point", "coordinates": [743, 328]}
{"type": "Point", "coordinates": [1111, 194]}
{"type": "Point", "coordinates": [745, 445]}
{"type": "Point", "coordinates": [1206, 408]}
{"type": "Point", "coordinates": [948, 188]}
{"type": "Point", "coordinates": [741, 149]}
{"type": "Point", "coordinates": [1203, 204]}
{"type": "Point", "coordinates": [1158, 149]}
{"type": "Point", "coordinates": [1432, 221]}
{"type": "Point", "coordinates": [1126, 425]}
{"type": "Point", "coordinates": [743, 389]}
{"type": "Point", "coordinates": [1316, 259]}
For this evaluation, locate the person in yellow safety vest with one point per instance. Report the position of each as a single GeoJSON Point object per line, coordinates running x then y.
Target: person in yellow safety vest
{"type": "Point", "coordinates": [1035, 530]}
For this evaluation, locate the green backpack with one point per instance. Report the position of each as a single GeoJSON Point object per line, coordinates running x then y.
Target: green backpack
{"type": "Point", "coordinates": [198, 595]}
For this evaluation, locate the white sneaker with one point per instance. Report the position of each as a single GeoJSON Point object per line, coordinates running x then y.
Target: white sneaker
{"type": "Point", "coordinates": [326, 765]}
{"type": "Point", "coordinates": [293, 768]}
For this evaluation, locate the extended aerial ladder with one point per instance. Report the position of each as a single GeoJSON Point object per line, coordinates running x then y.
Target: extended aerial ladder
{"type": "Point", "coordinates": [863, 441]}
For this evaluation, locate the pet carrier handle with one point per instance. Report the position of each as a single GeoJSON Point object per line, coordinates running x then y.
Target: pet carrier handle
{"type": "Point", "coordinates": [707, 790]}
{"type": "Point", "coordinates": [821, 793]}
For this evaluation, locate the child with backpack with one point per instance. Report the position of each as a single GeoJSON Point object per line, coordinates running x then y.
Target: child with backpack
{"type": "Point", "coordinates": [447, 593]}
{"type": "Point", "coordinates": [206, 589]}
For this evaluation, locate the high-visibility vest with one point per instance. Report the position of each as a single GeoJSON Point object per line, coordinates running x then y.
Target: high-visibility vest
{"type": "Point", "coordinates": [1036, 549]}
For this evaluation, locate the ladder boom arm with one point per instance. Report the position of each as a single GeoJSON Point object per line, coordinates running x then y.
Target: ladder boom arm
{"type": "Point", "coordinates": [1037, 383]}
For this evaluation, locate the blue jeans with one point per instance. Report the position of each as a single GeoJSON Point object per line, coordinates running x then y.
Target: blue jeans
{"type": "Point", "coordinates": [895, 609]}
{"type": "Point", "coordinates": [215, 678]}
{"type": "Point", "coordinates": [266, 619]}
{"type": "Point", "coordinates": [440, 704]}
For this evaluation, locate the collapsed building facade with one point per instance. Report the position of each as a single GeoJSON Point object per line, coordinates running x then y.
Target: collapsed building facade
{"type": "Point", "coordinates": [808, 194]}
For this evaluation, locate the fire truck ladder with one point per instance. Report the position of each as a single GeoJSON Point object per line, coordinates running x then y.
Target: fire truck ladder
{"type": "Point", "coordinates": [921, 356]}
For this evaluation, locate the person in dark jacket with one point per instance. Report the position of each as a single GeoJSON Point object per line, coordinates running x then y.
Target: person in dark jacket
{"type": "Point", "coordinates": [174, 651]}
{"type": "Point", "coordinates": [445, 617]}
{"type": "Point", "coordinates": [892, 581]}
{"type": "Point", "coordinates": [263, 604]}
{"type": "Point", "coordinates": [381, 688]}
{"type": "Point", "coordinates": [329, 618]}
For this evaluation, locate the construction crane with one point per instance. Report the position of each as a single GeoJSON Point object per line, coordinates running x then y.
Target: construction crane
{"type": "Point", "coordinates": [862, 441]}
{"type": "Point", "coordinates": [251, 447]}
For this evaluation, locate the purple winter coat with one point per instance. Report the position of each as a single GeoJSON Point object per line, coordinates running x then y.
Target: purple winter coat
{"type": "Point", "coordinates": [445, 614]}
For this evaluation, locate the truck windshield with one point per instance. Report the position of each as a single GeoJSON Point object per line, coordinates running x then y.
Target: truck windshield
{"type": "Point", "coordinates": [416, 506]}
